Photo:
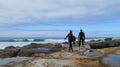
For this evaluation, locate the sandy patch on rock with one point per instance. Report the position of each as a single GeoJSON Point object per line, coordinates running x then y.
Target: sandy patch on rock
{"type": "Point", "coordinates": [51, 63]}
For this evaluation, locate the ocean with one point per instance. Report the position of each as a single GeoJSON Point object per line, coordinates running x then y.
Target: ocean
{"type": "Point", "coordinates": [6, 41]}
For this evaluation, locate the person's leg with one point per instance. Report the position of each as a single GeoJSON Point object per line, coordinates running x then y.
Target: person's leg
{"type": "Point", "coordinates": [79, 43]}
{"type": "Point", "coordinates": [69, 46]}
{"type": "Point", "coordinates": [82, 43]}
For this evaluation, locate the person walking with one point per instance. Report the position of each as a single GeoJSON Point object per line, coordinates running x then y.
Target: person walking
{"type": "Point", "coordinates": [70, 40]}
{"type": "Point", "coordinates": [81, 38]}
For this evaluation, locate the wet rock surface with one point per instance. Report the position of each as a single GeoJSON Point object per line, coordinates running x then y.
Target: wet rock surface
{"type": "Point", "coordinates": [104, 44]}
{"type": "Point", "coordinates": [34, 48]}
{"type": "Point", "coordinates": [32, 51]}
{"type": "Point", "coordinates": [29, 50]}
{"type": "Point", "coordinates": [107, 39]}
{"type": "Point", "coordinates": [10, 51]}
{"type": "Point", "coordinates": [53, 55]}
{"type": "Point", "coordinates": [112, 60]}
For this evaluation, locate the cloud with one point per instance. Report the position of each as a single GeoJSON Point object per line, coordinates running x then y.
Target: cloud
{"type": "Point", "coordinates": [56, 33]}
{"type": "Point", "coordinates": [18, 17]}
{"type": "Point", "coordinates": [40, 33]}
{"type": "Point", "coordinates": [14, 12]}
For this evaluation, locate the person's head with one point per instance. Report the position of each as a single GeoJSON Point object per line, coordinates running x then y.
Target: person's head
{"type": "Point", "coordinates": [70, 31]}
{"type": "Point", "coordinates": [81, 30]}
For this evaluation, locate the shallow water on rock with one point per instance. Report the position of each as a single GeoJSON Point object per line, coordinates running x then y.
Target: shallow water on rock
{"type": "Point", "coordinates": [88, 52]}
{"type": "Point", "coordinates": [4, 61]}
{"type": "Point", "coordinates": [39, 50]}
{"type": "Point", "coordinates": [112, 60]}
{"type": "Point", "coordinates": [44, 49]}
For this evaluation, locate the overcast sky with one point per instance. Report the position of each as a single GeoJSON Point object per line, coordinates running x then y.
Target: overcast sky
{"type": "Point", "coordinates": [54, 18]}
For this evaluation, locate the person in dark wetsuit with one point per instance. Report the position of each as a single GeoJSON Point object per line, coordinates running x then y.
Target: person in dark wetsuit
{"type": "Point", "coordinates": [70, 39]}
{"type": "Point", "coordinates": [81, 38]}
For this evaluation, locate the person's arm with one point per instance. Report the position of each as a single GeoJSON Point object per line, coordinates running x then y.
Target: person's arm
{"type": "Point", "coordinates": [66, 37]}
{"type": "Point", "coordinates": [84, 36]}
{"type": "Point", "coordinates": [78, 36]}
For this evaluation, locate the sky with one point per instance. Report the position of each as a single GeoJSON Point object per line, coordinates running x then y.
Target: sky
{"type": "Point", "coordinates": [54, 18]}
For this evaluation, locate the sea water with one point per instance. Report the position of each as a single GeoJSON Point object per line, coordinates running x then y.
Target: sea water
{"type": "Point", "coordinates": [21, 42]}
{"type": "Point", "coordinates": [4, 42]}
{"type": "Point", "coordinates": [112, 60]}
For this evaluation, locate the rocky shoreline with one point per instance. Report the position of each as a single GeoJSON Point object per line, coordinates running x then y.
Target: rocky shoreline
{"type": "Point", "coordinates": [106, 43]}
{"type": "Point", "coordinates": [57, 55]}
{"type": "Point", "coordinates": [29, 50]}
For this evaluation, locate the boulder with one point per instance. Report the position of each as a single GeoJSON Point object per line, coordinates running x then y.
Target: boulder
{"type": "Point", "coordinates": [65, 43]}
{"type": "Point", "coordinates": [1, 51]}
{"type": "Point", "coordinates": [35, 45]}
{"type": "Point", "coordinates": [42, 55]}
{"type": "Point", "coordinates": [30, 52]}
{"type": "Point", "coordinates": [107, 39]}
{"type": "Point", "coordinates": [99, 40]}
{"type": "Point", "coordinates": [10, 51]}
{"type": "Point", "coordinates": [10, 47]}
{"type": "Point", "coordinates": [92, 40]}
{"type": "Point", "coordinates": [95, 45]}
{"type": "Point", "coordinates": [33, 48]}
{"type": "Point", "coordinates": [104, 44]}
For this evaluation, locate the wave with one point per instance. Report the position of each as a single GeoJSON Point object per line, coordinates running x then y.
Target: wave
{"type": "Point", "coordinates": [46, 40]}
{"type": "Point", "coordinates": [21, 40]}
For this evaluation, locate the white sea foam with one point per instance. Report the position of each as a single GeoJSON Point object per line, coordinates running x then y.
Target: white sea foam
{"type": "Point", "coordinates": [20, 42]}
